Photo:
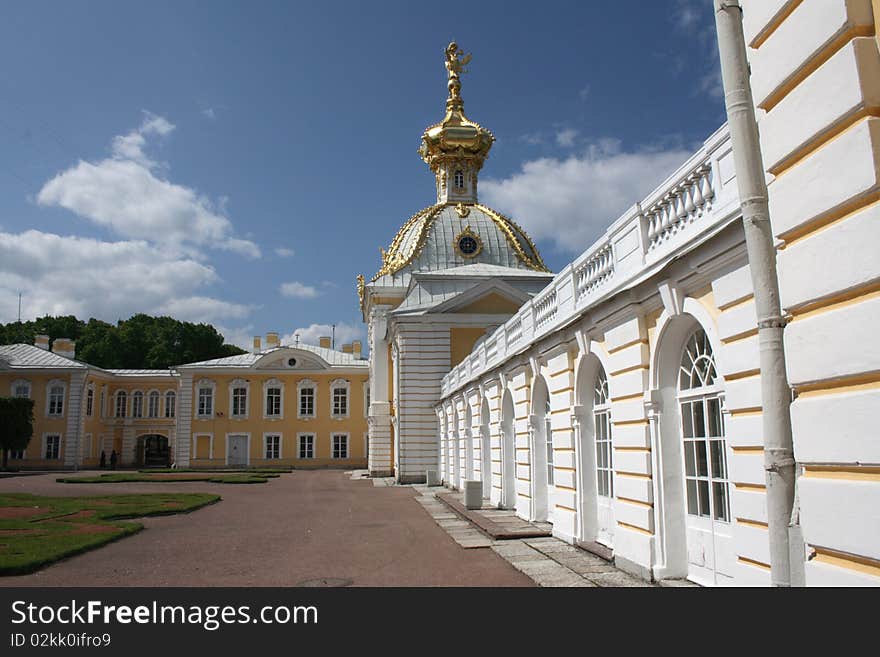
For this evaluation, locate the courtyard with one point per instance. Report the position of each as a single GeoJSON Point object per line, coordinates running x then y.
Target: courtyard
{"type": "Point", "coordinates": [314, 527]}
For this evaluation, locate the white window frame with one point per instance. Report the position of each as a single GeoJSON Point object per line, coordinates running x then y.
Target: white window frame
{"type": "Point", "coordinates": [299, 443]}
{"type": "Point", "coordinates": [63, 385]}
{"type": "Point", "coordinates": [201, 385]}
{"type": "Point", "coordinates": [120, 393]}
{"type": "Point", "coordinates": [45, 444]}
{"type": "Point", "coordinates": [172, 394]}
{"type": "Point", "coordinates": [233, 385]}
{"type": "Point", "coordinates": [273, 434]}
{"type": "Point", "coordinates": [367, 398]}
{"type": "Point", "coordinates": [195, 443]}
{"type": "Point", "coordinates": [602, 414]}
{"type": "Point", "coordinates": [20, 382]}
{"type": "Point", "coordinates": [301, 385]}
{"type": "Point", "coordinates": [103, 402]}
{"type": "Point", "coordinates": [87, 446]}
{"type": "Point", "coordinates": [273, 383]}
{"type": "Point", "coordinates": [333, 437]}
{"type": "Point", "coordinates": [154, 394]}
{"type": "Point", "coordinates": [137, 394]}
{"type": "Point", "coordinates": [340, 383]}
{"type": "Point", "coordinates": [90, 400]}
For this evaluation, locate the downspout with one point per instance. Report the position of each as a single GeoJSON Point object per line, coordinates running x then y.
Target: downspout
{"type": "Point", "coordinates": [779, 464]}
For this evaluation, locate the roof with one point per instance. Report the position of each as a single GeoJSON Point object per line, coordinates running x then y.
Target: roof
{"type": "Point", "coordinates": [168, 373]}
{"type": "Point", "coordinates": [27, 356]}
{"type": "Point", "coordinates": [331, 356]}
{"type": "Point", "coordinates": [426, 242]}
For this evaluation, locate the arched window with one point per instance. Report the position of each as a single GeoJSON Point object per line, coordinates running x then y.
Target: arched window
{"type": "Point", "coordinates": [458, 178]}
{"type": "Point", "coordinates": [21, 388]}
{"type": "Point", "coordinates": [137, 404]}
{"type": "Point", "coordinates": [170, 403]}
{"type": "Point", "coordinates": [602, 427]}
{"type": "Point", "coordinates": [705, 448]}
{"type": "Point", "coordinates": [90, 401]}
{"type": "Point", "coordinates": [239, 398]}
{"type": "Point", "coordinates": [121, 403]}
{"type": "Point", "coordinates": [273, 394]}
{"type": "Point", "coordinates": [339, 398]}
{"type": "Point", "coordinates": [55, 399]}
{"type": "Point", "coordinates": [153, 404]}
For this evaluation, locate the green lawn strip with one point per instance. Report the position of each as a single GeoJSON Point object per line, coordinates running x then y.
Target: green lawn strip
{"type": "Point", "coordinates": [59, 527]}
{"type": "Point", "coordinates": [129, 477]}
{"type": "Point", "coordinates": [275, 470]}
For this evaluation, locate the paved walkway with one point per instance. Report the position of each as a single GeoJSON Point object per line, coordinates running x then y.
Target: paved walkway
{"type": "Point", "coordinates": [547, 561]}
{"type": "Point", "coordinates": [303, 528]}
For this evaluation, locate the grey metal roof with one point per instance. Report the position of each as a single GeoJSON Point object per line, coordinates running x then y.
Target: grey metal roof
{"type": "Point", "coordinates": [168, 373]}
{"type": "Point", "coordinates": [331, 356]}
{"type": "Point", "coordinates": [25, 356]}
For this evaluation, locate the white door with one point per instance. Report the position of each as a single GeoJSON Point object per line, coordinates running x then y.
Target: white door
{"type": "Point", "coordinates": [238, 454]}
{"type": "Point", "coordinates": [551, 472]}
{"type": "Point", "coordinates": [605, 522]}
{"type": "Point", "coordinates": [708, 524]}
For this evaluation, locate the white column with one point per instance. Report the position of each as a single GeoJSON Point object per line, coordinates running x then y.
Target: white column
{"type": "Point", "coordinates": [379, 461]}
{"type": "Point", "coordinates": [183, 420]}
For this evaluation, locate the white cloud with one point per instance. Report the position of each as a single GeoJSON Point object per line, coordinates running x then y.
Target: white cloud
{"type": "Point", "coordinates": [571, 201]}
{"type": "Point", "coordinates": [127, 194]}
{"type": "Point", "coordinates": [210, 113]}
{"type": "Point", "coordinates": [86, 277]}
{"type": "Point", "coordinates": [284, 252]}
{"type": "Point", "coordinates": [203, 309]}
{"type": "Point", "coordinates": [566, 137]}
{"type": "Point", "coordinates": [298, 290]}
{"type": "Point", "coordinates": [241, 336]}
{"type": "Point", "coordinates": [344, 333]}
{"type": "Point", "coordinates": [584, 92]}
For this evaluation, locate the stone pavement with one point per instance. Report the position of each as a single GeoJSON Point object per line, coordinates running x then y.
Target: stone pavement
{"type": "Point", "coordinates": [548, 561]}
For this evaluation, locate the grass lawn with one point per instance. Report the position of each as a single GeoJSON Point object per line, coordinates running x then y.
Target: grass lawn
{"type": "Point", "coordinates": [213, 477]}
{"type": "Point", "coordinates": [37, 530]}
{"type": "Point", "coordinates": [257, 471]}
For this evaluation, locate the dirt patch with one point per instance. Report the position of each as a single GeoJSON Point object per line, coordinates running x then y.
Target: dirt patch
{"type": "Point", "coordinates": [15, 512]}
{"type": "Point", "coordinates": [18, 532]}
{"type": "Point", "coordinates": [87, 528]}
{"type": "Point", "coordinates": [171, 505]}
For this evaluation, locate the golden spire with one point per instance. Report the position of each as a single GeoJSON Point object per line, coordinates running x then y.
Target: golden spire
{"type": "Point", "coordinates": [456, 147]}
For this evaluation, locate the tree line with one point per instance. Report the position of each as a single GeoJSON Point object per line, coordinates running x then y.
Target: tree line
{"type": "Point", "coordinates": [140, 342]}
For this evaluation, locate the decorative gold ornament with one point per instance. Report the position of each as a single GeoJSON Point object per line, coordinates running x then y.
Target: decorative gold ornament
{"type": "Point", "coordinates": [467, 243]}
{"type": "Point", "coordinates": [462, 210]}
{"type": "Point", "coordinates": [361, 288]}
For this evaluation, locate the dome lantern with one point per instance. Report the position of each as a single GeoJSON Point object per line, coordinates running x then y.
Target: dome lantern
{"type": "Point", "coordinates": [456, 148]}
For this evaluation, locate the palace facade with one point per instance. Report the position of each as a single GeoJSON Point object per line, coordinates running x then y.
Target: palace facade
{"type": "Point", "coordinates": [621, 399]}
{"type": "Point", "coordinates": [301, 405]}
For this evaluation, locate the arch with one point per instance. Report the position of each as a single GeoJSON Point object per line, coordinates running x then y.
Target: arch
{"type": "Point", "coordinates": [485, 448]}
{"type": "Point", "coordinates": [20, 388]}
{"type": "Point", "coordinates": [120, 403]}
{"type": "Point", "coordinates": [153, 450]}
{"type": "Point", "coordinates": [671, 336]}
{"type": "Point", "coordinates": [170, 404]}
{"type": "Point", "coordinates": [594, 448]}
{"type": "Point", "coordinates": [153, 401]}
{"type": "Point", "coordinates": [541, 447]}
{"type": "Point", "coordinates": [455, 479]}
{"type": "Point", "coordinates": [137, 404]}
{"type": "Point", "coordinates": [508, 452]}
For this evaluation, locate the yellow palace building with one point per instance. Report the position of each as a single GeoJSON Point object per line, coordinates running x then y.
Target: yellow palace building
{"type": "Point", "coordinates": [302, 406]}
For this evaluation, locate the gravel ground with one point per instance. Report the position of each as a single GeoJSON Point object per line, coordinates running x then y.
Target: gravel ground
{"type": "Point", "coordinates": [306, 525]}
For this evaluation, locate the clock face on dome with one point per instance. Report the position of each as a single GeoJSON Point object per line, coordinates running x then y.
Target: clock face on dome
{"type": "Point", "coordinates": [468, 243]}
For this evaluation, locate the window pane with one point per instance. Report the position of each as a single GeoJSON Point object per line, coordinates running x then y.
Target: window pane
{"type": "Point", "coordinates": [719, 489]}
{"type": "Point", "coordinates": [714, 408]}
{"type": "Point", "coordinates": [692, 497]}
{"type": "Point", "coordinates": [719, 469]}
{"type": "Point", "coordinates": [690, 468]}
{"type": "Point", "coordinates": [702, 465]}
{"type": "Point", "coordinates": [699, 419]}
{"type": "Point", "coordinates": [703, 488]}
{"type": "Point", "coordinates": [687, 425]}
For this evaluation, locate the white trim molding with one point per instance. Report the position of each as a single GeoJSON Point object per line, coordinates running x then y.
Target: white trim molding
{"type": "Point", "coordinates": [334, 385]}
{"type": "Point", "coordinates": [333, 436]}
{"type": "Point", "coordinates": [20, 382]}
{"type": "Point", "coordinates": [200, 385]}
{"type": "Point", "coordinates": [299, 436]}
{"type": "Point", "coordinates": [300, 386]}
{"type": "Point", "coordinates": [43, 445]}
{"type": "Point", "coordinates": [51, 384]}
{"type": "Point", "coordinates": [233, 385]}
{"type": "Point", "coordinates": [273, 383]}
{"type": "Point", "coordinates": [195, 445]}
{"type": "Point", "coordinates": [280, 436]}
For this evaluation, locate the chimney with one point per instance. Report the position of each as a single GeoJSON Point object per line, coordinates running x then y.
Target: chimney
{"type": "Point", "coordinates": [324, 341]}
{"type": "Point", "coordinates": [272, 340]}
{"type": "Point", "coordinates": [356, 348]}
{"type": "Point", "coordinates": [64, 347]}
{"type": "Point", "coordinates": [346, 348]}
{"type": "Point", "coordinates": [258, 344]}
{"type": "Point", "coordinates": [41, 341]}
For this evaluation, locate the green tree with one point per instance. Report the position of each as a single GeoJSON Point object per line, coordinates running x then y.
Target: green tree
{"type": "Point", "coordinates": [16, 424]}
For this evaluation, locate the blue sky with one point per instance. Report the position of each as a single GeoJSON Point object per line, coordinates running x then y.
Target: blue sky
{"type": "Point", "coordinates": [240, 163]}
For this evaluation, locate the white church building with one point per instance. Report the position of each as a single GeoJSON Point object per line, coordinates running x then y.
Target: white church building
{"type": "Point", "coordinates": [621, 398]}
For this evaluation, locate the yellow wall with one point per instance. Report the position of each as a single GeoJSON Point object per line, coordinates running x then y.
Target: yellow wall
{"type": "Point", "coordinates": [491, 304]}
{"type": "Point", "coordinates": [461, 342]}
{"type": "Point", "coordinates": [289, 426]}
{"type": "Point", "coordinates": [42, 423]}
